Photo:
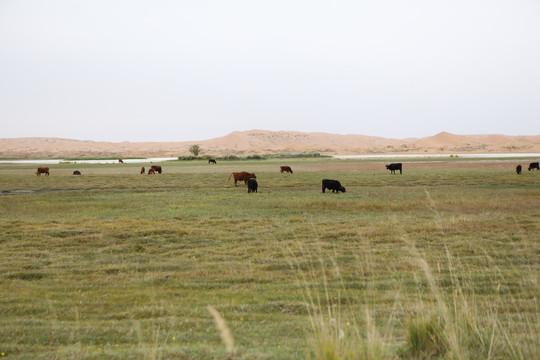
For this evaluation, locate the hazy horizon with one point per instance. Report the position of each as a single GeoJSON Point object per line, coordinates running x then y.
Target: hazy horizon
{"type": "Point", "coordinates": [143, 71]}
{"type": "Point", "coordinates": [307, 132]}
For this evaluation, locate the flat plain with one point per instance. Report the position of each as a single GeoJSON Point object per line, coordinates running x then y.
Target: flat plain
{"type": "Point", "coordinates": [442, 261]}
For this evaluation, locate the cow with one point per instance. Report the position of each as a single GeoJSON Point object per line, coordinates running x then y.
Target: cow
{"type": "Point", "coordinates": [533, 166]}
{"type": "Point", "coordinates": [42, 170]}
{"type": "Point", "coordinates": [242, 176]}
{"type": "Point", "coordinates": [212, 161]}
{"type": "Point", "coordinates": [285, 169]}
{"type": "Point", "coordinates": [120, 161]}
{"type": "Point", "coordinates": [393, 167]}
{"type": "Point", "coordinates": [333, 185]}
{"type": "Point", "coordinates": [151, 171]}
{"type": "Point", "coordinates": [76, 172]}
{"type": "Point", "coordinates": [156, 168]}
{"type": "Point", "coordinates": [252, 186]}
{"type": "Point", "coordinates": [518, 169]}
{"type": "Point", "coordinates": [143, 170]}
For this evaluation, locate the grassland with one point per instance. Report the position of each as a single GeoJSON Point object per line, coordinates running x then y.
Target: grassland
{"type": "Point", "coordinates": [440, 262]}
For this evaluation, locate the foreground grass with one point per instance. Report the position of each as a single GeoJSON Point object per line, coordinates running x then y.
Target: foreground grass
{"type": "Point", "coordinates": [113, 264]}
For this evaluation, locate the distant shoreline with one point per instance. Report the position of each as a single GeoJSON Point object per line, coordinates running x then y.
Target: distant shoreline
{"type": "Point", "coordinates": [472, 155]}
{"type": "Point", "coordinates": [82, 161]}
{"type": "Point", "coordinates": [344, 157]}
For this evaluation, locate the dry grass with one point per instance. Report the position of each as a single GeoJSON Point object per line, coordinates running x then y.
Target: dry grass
{"type": "Point", "coordinates": [430, 263]}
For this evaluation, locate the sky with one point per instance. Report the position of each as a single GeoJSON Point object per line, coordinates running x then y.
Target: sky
{"type": "Point", "coordinates": [193, 70]}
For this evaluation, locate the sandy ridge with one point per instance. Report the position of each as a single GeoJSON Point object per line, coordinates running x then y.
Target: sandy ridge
{"type": "Point", "coordinates": [271, 142]}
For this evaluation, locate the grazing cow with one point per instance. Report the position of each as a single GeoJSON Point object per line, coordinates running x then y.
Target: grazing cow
{"type": "Point", "coordinates": [121, 161]}
{"type": "Point", "coordinates": [42, 170]}
{"type": "Point", "coordinates": [76, 172]}
{"type": "Point", "coordinates": [252, 185]}
{"type": "Point", "coordinates": [212, 161]}
{"type": "Point", "coordinates": [143, 170]}
{"type": "Point", "coordinates": [533, 166]}
{"type": "Point", "coordinates": [518, 169]}
{"type": "Point", "coordinates": [151, 171]}
{"type": "Point", "coordinates": [242, 176]}
{"type": "Point", "coordinates": [285, 169]}
{"type": "Point", "coordinates": [156, 168]}
{"type": "Point", "coordinates": [393, 167]}
{"type": "Point", "coordinates": [333, 185]}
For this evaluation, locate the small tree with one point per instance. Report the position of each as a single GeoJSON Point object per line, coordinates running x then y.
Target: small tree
{"type": "Point", "coordinates": [195, 149]}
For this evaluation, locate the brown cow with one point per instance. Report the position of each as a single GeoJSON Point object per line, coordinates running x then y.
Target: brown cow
{"type": "Point", "coordinates": [151, 171]}
{"type": "Point", "coordinates": [120, 161]}
{"type": "Point", "coordinates": [143, 170]}
{"type": "Point", "coordinates": [156, 168]}
{"type": "Point", "coordinates": [42, 170]}
{"type": "Point", "coordinates": [239, 176]}
{"type": "Point", "coordinates": [285, 169]}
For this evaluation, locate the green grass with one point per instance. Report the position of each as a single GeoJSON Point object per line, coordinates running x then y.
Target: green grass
{"type": "Point", "coordinates": [420, 265]}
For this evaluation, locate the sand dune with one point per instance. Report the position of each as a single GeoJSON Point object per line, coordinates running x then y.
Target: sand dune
{"type": "Point", "coordinates": [271, 142]}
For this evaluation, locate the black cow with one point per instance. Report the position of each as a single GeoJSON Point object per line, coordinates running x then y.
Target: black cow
{"type": "Point", "coordinates": [533, 166]}
{"type": "Point", "coordinates": [393, 167]}
{"type": "Point", "coordinates": [252, 186]}
{"type": "Point", "coordinates": [76, 172]}
{"type": "Point", "coordinates": [212, 161]}
{"type": "Point", "coordinates": [333, 185]}
{"type": "Point", "coordinates": [518, 169]}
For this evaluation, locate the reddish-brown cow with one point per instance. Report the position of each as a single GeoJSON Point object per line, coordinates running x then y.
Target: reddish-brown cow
{"type": "Point", "coordinates": [143, 170]}
{"type": "Point", "coordinates": [242, 176]}
{"type": "Point", "coordinates": [42, 170]}
{"type": "Point", "coordinates": [156, 168]}
{"type": "Point", "coordinates": [285, 169]}
{"type": "Point", "coordinates": [151, 171]}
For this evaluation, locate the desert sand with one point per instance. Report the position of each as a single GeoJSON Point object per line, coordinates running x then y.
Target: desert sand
{"type": "Point", "coordinates": [264, 142]}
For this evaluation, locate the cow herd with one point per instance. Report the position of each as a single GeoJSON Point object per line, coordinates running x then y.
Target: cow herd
{"type": "Point", "coordinates": [532, 166]}
{"type": "Point", "coordinates": [250, 181]}
{"type": "Point", "coordinates": [153, 169]}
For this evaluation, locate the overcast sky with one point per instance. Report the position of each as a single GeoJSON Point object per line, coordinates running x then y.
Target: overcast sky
{"type": "Point", "coordinates": [193, 70]}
